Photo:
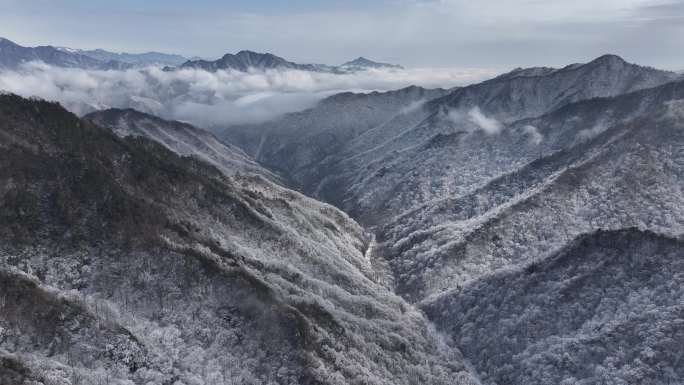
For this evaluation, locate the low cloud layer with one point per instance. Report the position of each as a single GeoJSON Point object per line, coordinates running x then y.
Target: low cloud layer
{"type": "Point", "coordinates": [213, 99]}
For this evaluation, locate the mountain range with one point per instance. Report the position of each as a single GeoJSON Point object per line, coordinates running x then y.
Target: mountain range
{"type": "Point", "coordinates": [12, 56]}
{"type": "Point", "coordinates": [133, 59]}
{"type": "Point", "coordinates": [246, 60]}
{"type": "Point", "coordinates": [523, 230]}
{"type": "Point", "coordinates": [382, 153]}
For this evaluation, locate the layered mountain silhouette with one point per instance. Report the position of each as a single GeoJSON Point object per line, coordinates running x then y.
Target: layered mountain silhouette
{"type": "Point", "coordinates": [384, 165]}
{"type": "Point", "coordinates": [132, 59]}
{"type": "Point", "coordinates": [250, 60]}
{"type": "Point", "coordinates": [13, 55]}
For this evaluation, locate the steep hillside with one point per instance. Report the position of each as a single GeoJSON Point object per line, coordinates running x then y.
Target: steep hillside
{"type": "Point", "coordinates": [536, 217]}
{"type": "Point", "coordinates": [302, 144]}
{"type": "Point", "coordinates": [627, 175]}
{"type": "Point", "coordinates": [606, 309]}
{"type": "Point", "coordinates": [534, 92]}
{"type": "Point", "coordinates": [122, 262]}
{"type": "Point", "coordinates": [429, 146]}
{"type": "Point", "coordinates": [181, 138]}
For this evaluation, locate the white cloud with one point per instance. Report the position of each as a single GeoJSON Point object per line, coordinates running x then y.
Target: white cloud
{"type": "Point", "coordinates": [593, 132]}
{"type": "Point", "coordinates": [533, 133]}
{"type": "Point", "coordinates": [489, 125]}
{"type": "Point", "coordinates": [221, 98]}
{"type": "Point", "coordinates": [473, 120]}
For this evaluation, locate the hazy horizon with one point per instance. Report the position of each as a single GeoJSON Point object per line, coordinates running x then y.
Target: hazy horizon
{"type": "Point", "coordinates": [413, 33]}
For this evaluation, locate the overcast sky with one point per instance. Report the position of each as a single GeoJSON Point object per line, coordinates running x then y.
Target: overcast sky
{"type": "Point", "coordinates": [430, 33]}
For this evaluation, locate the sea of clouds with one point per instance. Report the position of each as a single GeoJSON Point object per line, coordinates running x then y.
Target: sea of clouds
{"type": "Point", "coordinates": [215, 99]}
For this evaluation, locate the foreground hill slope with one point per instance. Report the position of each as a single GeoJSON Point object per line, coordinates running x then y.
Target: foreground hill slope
{"type": "Point", "coordinates": [181, 138]}
{"type": "Point", "coordinates": [122, 262]}
{"type": "Point", "coordinates": [606, 309]}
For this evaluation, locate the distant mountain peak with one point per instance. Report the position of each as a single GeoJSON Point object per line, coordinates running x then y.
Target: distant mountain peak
{"type": "Point", "coordinates": [615, 62]}
{"type": "Point", "coordinates": [604, 62]}
{"type": "Point", "coordinates": [245, 60]}
{"type": "Point", "coordinates": [609, 58]}
{"type": "Point", "coordinates": [362, 62]}
{"type": "Point", "coordinates": [247, 52]}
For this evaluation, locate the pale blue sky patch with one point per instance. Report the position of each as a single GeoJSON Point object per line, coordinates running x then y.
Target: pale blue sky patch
{"type": "Point", "coordinates": [442, 33]}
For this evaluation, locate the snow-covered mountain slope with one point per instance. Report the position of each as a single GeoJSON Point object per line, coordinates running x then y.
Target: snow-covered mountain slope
{"type": "Point", "coordinates": [470, 194]}
{"type": "Point", "coordinates": [628, 174]}
{"type": "Point", "coordinates": [531, 93]}
{"type": "Point", "coordinates": [445, 146]}
{"type": "Point", "coordinates": [12, 56]}
{"type": "Point", "coordinates": [122, 262]}
{"type": "Point", "coordinates": [606, 309]}
{"type": "Point", "coordinates": [301, 144]}
{"type": "Point", "coordinates": [181, 138]}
